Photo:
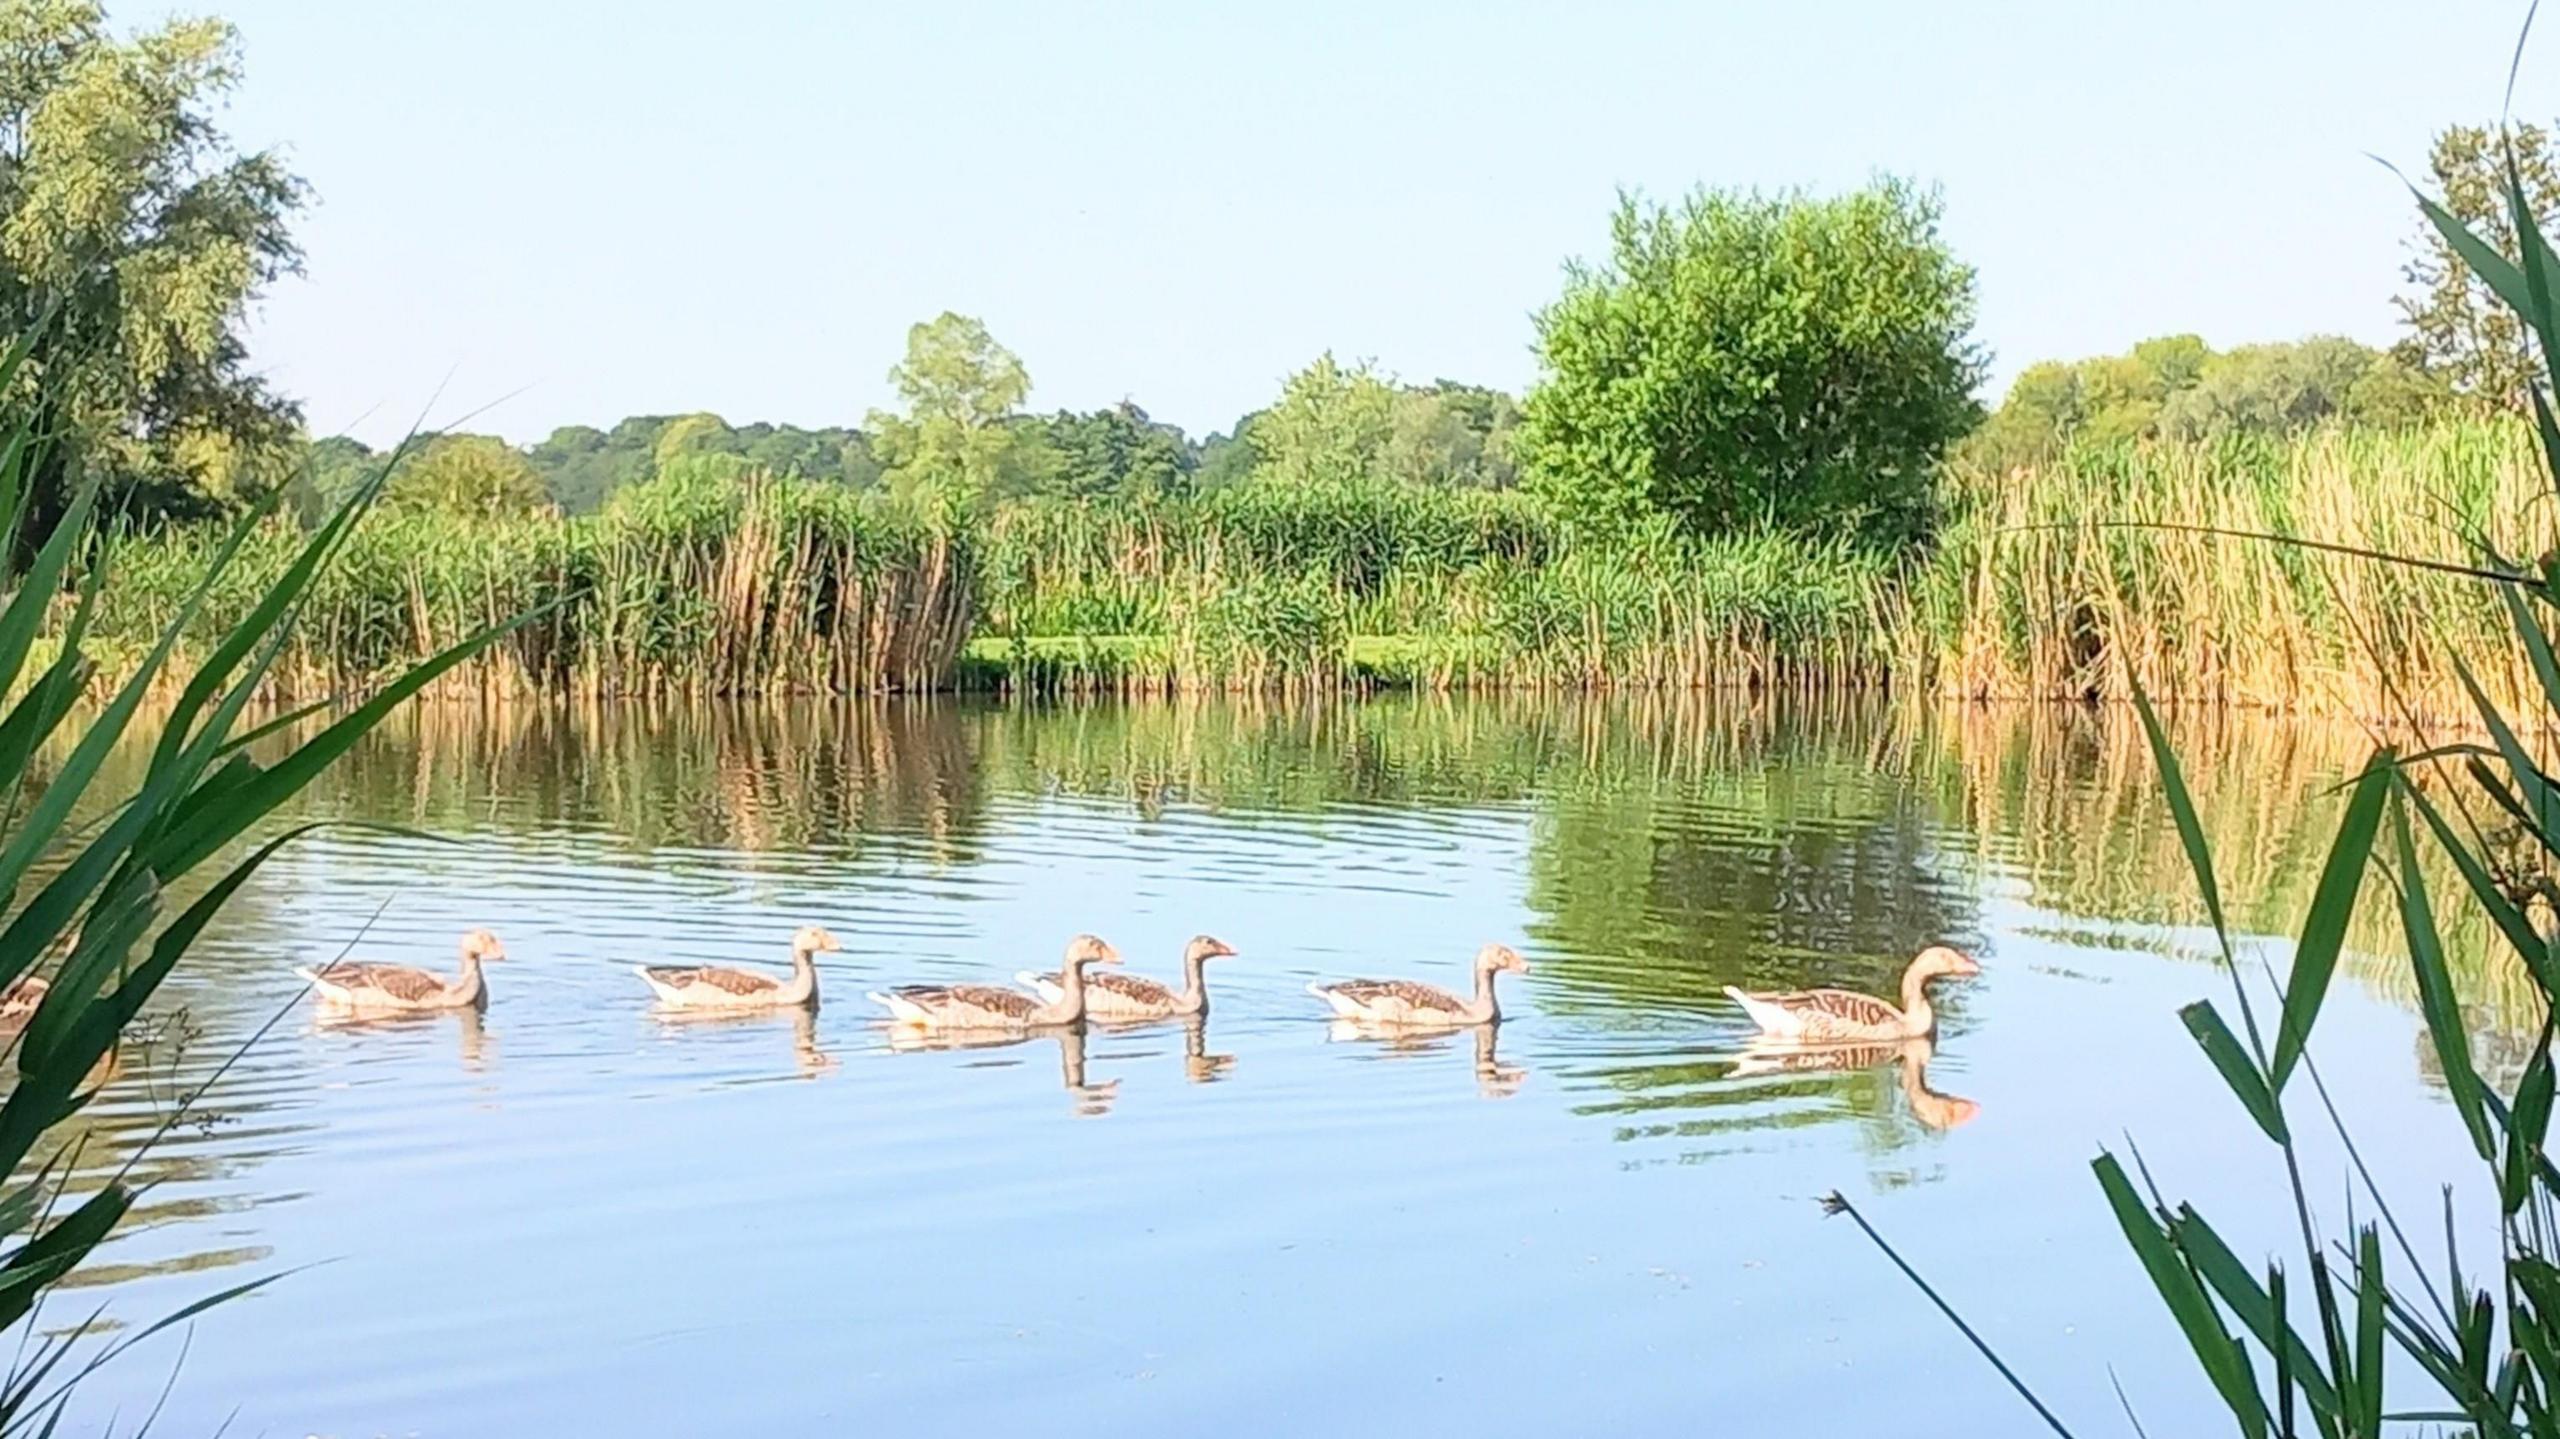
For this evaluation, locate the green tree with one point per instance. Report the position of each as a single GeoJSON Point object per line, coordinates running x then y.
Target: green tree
{"type": "Point", "coordinates": [701, 433]}
{"type": "Point", "coordinates": [1746, 359]}
{"type": "Point", "coordinates": [2457, 329]}
{"type": "Point", "coordinates": [1118, 451]}
{"type": "Point", "coordinates": [126, 217]}
{"type": "Point", "coordinates": [466, 475]}
{"type": "Point", "coordinates": [960, 387]}
{"type": "Point", "coordinates": [1330, 426]}
{"type": "Point", "coordinates": [1453, 434]}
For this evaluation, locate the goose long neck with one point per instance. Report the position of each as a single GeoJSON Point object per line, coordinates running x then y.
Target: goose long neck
{"type": "Point", "coordinates": [804, 973]}
{"type": "Point", "coordinates": [1070, 1005]}
{"type": "Point", "coordinates": [1485, 1007]}
{"type": "Point", "coordinates": [1915, 1001]}
{"type": "Point", "coordinates": [1194, 998]}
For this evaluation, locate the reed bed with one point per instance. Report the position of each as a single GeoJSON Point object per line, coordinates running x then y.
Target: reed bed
{"type": "Point", "coordinates": [1377, 583]}
{"type": "Point", "coordinates": [2065, 581]}
{"type": "Point", "coordinates": [2073, 580]}
{"type": "Point", "coordinates": [699, 582]}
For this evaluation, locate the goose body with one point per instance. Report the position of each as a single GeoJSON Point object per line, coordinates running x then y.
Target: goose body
{"type": "Point", "coordinates": [383, 988]}
{"type": "Point", "coordinates": [711, 986]}
{"type": "Point", "coordinates": [1844, 1016]}
{"type": "Point", "coordinates": [18, 1002]}
{"type": "Point", "coordinates": [1407, 1002]}
{"type": "Point", "coordinates": [992, 1006]}
{"type": "Point", "coordinates": [1125, 997]}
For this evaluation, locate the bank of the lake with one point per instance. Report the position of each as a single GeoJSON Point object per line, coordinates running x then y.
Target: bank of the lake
{"type": "Point", "coordinates": [2056, 581]}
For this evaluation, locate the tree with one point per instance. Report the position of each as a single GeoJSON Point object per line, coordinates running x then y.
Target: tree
{"type": "Point", "coordinates": [1118, 451]}
{"type": "Point", "coordinates": [960, 386]}
{"type": "Point", "coordinates": [1454, 435]}
{"type": "Point", "coordinates": [1330, 426]}
{"type": "Point", "coordinates": [2177, 388]}
{"type": "Point", "coordinates": [1746, 359]}
{"type": "Point", "coordinates": [466, 475]}
{"type": "Point", "coordinates": [132, 231]}
{"type": "Point", "coordinates": [2458, 332]}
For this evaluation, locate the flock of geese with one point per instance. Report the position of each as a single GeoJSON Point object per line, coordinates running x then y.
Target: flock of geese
{"type": "Point", "coordinates": [1071, 995]}
{"type": "Point", "coordinates": [1799, 1030]}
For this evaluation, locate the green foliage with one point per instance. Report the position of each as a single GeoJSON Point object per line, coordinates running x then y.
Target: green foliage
{"type": "Point", "coordinates": [1118, 451]}
{"type": "Point", "coordinates": [1746, 360]}
{"type": "Point", "coordinates": [2176, 388]}
{"type": "Point", "coordinates": [951, 447]}
{"type": "Point", "coordinates": [131, 227]}
{"type": "Point", "coordinates": [465, 475]}
{"type": "Point", "coordinates": [2459, 331]}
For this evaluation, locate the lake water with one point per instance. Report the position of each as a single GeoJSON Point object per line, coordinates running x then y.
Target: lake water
{"type": "Point", "coordinates": [570, 1216]}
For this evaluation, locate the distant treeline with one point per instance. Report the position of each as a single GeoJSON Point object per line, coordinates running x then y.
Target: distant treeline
{"type": "Point", "coordinates": [1442, 434]}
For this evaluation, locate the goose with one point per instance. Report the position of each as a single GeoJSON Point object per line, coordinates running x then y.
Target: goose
{"type": "Point", "coordinates": [712, 986]}
{"type": "Point", "coordinates": [1834, 1016]}
{"type": "Point", "coordinates": [399, 987]}
{"type": "Point", "coordinates": [989, 1006]}
{"type": "Point", "coordinates": [1109, 997]}
{"type": "Point", "coordinates": [1934, 1110]}
{"type": "Point", "coordinates": [1404, 1002]}
{"type": "Point", "coordinates": [18, 1002]}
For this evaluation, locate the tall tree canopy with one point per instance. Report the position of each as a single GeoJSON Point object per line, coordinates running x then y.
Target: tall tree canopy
{"type": "Point", "coordinates": [130, 227]}
{"type": "Point", "coordinates": [1746, 359]}
{"type": "Point", "coordinates": [2458, 331]}
{"type": "Point", "coordinates": [960, 386]}
{"type": "Point", "coordinates": [2175, 387]}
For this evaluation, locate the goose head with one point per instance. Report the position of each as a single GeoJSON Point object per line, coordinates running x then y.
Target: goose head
{"type": "Point", "coordinates": [1502, 959]}
{"type": "Point", "coordinates": [480, 946]}
{"type": "Point", "coordinates": [1087, 949]}
{"type": "Point", "coordinates": [1940, 962]}
{"type": "Point", "coordinates": [1206, 947]}
{"type": "Point", "coordinates": [811, 939]}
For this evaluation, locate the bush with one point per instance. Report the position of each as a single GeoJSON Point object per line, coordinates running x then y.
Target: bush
{"type": "Point", "coordinates": [1748, 361]}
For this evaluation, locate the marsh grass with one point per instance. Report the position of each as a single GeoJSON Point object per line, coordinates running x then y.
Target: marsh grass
{"type": "Point", "coordinates": [2088, 576]}
{"type": "Point", "coordinates": [703, 581]}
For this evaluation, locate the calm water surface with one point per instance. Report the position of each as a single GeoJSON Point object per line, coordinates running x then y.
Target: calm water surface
{"type": "Point", "coordinates": [570, 1216]}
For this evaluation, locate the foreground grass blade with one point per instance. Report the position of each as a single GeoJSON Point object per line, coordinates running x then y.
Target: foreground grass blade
{"type": "Point", "coordinates": [2239, 1073]}
{"type": "Point", "coordinates": [2315, 957]}
{"type": "Point", "coordinates": [2223, 1360]}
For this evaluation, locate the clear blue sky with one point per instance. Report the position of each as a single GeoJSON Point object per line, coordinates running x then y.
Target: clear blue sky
{"type": "Point", "coordinates": [602, 209]}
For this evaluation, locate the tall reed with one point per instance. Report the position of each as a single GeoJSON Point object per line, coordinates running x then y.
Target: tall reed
{"type": "Point", "coordinates": [702, 581]}
{"type": "Point", "coordinates": [2088, 575]}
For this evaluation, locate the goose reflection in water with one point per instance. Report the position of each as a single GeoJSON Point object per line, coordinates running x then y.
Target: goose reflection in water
{"type": "Point", "coordinates": [1494, 1079]}
{"type": "Point", "coordinates": [1090, 1099]}
{"type": "Point", "coordinates": [468, 1023]}
{"type": "Point", "coordinates": [806, 1056]}
{"type": "Point", "coordinates": [1935, 1111]}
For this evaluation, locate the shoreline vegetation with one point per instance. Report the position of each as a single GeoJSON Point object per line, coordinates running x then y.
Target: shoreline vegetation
{"type": "Point", "coordinates": [2050, 580]}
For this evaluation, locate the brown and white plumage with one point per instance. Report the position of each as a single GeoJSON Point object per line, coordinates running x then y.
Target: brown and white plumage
{"type": "Point", "coordinates": [1835, 1016]}
{"type": "Point", "coordinates": [1406, 1002]}
{"type": "Point", "coordinates": [18, 1002]}
{"type": "Point", "coordinates": [1125, 997]}
{"type": "Point", "coordinates": [988, 1006]}
{"type": "Point", "coordinates": [712, 986]}
{"type": "Point", "coordinates": [400, 987]}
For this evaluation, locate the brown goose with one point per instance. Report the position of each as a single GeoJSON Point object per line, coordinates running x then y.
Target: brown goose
{"type": "Point", "coordinates": [399, 987]}
{"type": "Point", "coordinates": [713, 986]}
{"type": "Point", "coordinates": [1834, 1016]}
{"type": "Point", "coordinates": [1402, 1001]}
{"type": "Point", "coordinates": [990, 1006]}
{"type": "Point", "coordinates": [18, 1002]}
{"type": "Point", "coordinates": [1109, 997]}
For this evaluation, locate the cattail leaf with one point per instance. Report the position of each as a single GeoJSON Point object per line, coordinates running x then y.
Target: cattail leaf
{"type": "Point", "coordinates": [2333, 903]}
